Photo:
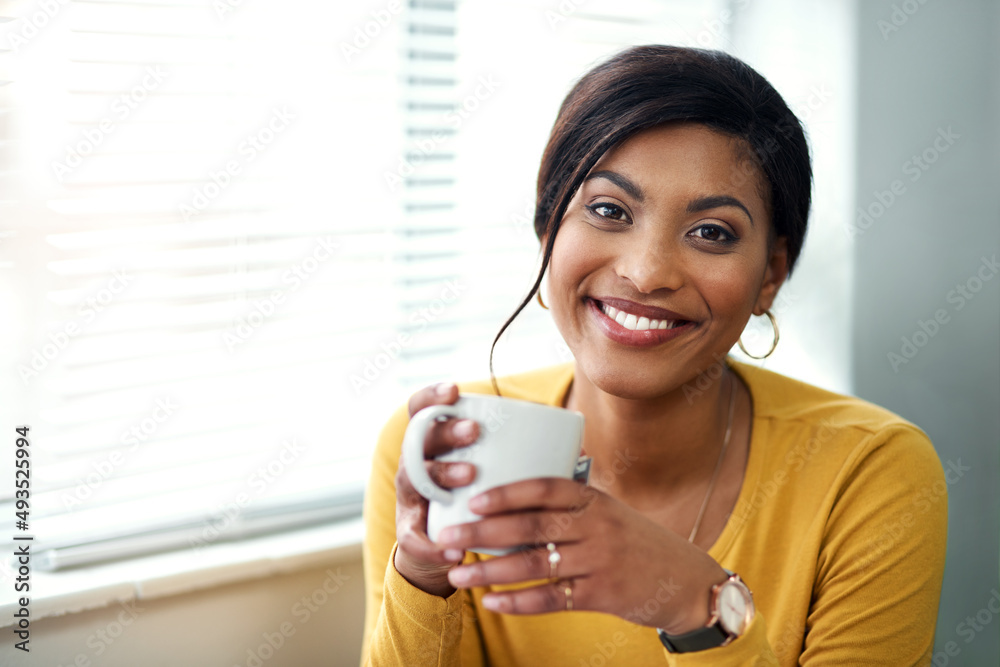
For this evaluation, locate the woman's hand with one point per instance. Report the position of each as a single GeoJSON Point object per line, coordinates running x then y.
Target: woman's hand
{"type": "Point", "coordinates": [420, 561]}
{"type": "Point", "coordinates": [615, 559]}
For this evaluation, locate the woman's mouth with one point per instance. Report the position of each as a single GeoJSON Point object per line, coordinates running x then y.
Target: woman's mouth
{"type": "Point", "coordinates": [636, 325]}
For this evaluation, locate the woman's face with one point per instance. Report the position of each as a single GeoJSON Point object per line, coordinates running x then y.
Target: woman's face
{"type": "Point", "coordinates": [661, 258]}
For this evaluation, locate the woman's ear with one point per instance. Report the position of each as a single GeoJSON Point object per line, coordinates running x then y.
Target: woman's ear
{"type": "Point", "coordinates": [774, 275]}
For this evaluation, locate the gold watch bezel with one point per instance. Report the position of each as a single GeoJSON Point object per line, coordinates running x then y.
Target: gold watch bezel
{"type": "Point", "coordinates": [716, 617]}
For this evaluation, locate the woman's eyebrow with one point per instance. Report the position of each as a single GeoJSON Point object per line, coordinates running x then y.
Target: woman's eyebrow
{"type": "Point", "coordinates": [714, 201]}
{"type": "Point", "coordinates": [625, 184]}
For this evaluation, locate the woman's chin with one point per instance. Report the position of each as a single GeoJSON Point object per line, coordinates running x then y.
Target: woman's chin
{"type": "Point", "coordinates": [633, 384]}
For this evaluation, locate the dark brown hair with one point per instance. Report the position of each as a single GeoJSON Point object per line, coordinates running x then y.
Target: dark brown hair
{"type": "Point", "coordinates": [646, 86]}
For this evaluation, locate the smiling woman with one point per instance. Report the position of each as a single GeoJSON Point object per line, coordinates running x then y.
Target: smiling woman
{"type": "Point", "coordinates": [671, 206]}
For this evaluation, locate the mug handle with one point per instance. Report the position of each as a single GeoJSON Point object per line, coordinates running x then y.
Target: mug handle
{"type": "Point", "coordinates": [413, 451]}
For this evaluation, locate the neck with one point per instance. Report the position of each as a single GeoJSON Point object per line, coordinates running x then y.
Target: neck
{"type": "Point", "coordinates": [645, 449]}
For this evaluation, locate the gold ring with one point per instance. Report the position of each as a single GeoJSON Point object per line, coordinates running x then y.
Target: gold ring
{"type": "Point", "coordinates": [554, 558]}
{"type": "Point", "coordinates": [567, 587]}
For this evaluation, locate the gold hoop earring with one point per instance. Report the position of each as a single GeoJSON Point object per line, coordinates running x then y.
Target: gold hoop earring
{"type": "Point", "coordinates": [774, 325]}
{"type": "Point", "coordinates": [538, 296]}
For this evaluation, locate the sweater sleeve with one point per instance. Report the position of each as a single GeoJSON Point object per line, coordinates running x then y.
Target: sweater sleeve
{"type": "Point", "coordinates": [880, 568]}
{"type": "Point", "coordinates": [404, 625]}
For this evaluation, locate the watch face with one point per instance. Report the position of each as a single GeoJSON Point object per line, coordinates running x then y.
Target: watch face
{"type": "Point", "coordinates": [732, 609]}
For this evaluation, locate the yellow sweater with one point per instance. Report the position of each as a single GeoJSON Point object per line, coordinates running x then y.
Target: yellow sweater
{"type": "Point", "coordinates": [839, 530]}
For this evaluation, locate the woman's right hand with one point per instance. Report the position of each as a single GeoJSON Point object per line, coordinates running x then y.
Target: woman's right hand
{"type": "Point", "coordinates": [420, 561]}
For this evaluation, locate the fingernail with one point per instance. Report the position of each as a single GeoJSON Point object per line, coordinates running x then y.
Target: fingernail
{"type": "Point", "coordinates": [457, 473]}
{"type": "Point", "coordinates": [454, 554]}
{"type": "Point", "coordinates": [459, 576]}
{"type": "Point", "coordinates": [444, 389]}
{"type": "Point", "coordinates": [478, 503]}
{"type": "Point", "coordinates": [491, 602]}
{"type": "Point", "coordinates": [464, 429]}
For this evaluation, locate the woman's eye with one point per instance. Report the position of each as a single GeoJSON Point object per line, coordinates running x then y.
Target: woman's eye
{"type": "Point", "coordinates": [609, 211]}
{"type": "Point", "coordinates": [714, 233]}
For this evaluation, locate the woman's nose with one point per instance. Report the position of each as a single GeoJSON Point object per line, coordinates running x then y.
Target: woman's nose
{"type": "Point", "coordinates": [650, 264]}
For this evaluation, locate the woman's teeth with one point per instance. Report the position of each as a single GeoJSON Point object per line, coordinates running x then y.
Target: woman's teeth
{"type": "Point", "coordinates": [635, 323]}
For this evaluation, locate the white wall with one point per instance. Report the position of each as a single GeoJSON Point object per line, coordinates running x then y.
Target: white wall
{"type": "Point", "coordinates": [215, 627]}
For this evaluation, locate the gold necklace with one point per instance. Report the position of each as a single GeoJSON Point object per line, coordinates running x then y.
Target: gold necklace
{"type": "Point", "coordinates": [718, 464]}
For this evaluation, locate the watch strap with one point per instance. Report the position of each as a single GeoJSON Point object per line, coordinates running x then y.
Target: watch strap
{"type": "Point", "coordinates": [696, 640]}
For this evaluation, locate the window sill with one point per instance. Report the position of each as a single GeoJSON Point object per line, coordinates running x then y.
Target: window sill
{"type": "Point", "coordinates": [162, 575]}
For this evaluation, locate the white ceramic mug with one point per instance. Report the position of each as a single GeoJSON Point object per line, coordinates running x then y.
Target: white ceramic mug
{"type": "Point", "coordinates": [518, 440]}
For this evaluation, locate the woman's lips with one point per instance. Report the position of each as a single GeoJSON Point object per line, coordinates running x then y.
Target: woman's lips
{"type": "Point", "coordinates": [636, 325]}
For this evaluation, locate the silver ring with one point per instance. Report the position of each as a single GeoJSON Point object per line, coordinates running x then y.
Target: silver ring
{"type": "Point", "coordinates": [554, 558]}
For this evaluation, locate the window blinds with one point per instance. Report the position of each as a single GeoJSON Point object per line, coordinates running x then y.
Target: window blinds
{"type": "Point", "coordinates": [184, 274]}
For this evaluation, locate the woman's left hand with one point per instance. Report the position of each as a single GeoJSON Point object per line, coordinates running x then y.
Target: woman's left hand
{"type": "Point", "coordinates": [615, 559]}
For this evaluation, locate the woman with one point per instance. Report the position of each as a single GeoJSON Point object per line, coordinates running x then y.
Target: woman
{"type": "Point", "coordinates": [734, 516]}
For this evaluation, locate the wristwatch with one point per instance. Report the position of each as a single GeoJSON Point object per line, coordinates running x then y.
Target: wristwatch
{"type": "Point", "coordinates": [730, 612]}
